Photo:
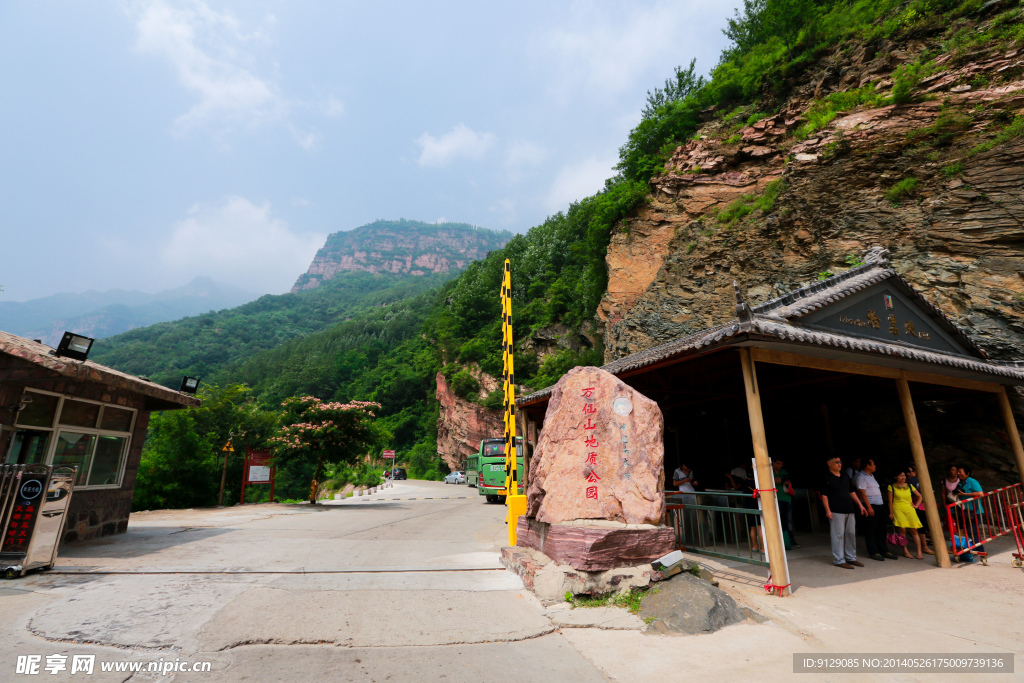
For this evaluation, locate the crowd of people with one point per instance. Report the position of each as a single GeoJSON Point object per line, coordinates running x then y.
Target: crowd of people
{"type": "Point", "coordinates": [852, 492]}
{"type": "Point", "coordinates": [890, 518]}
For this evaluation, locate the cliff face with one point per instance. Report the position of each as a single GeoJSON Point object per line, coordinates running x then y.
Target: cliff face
{"type": "Point", "coordinates": [462, 425]}
{"type": "Point", "coordinates": [940, 183]}
{"type": "Point", "coordinates": [400, 247]}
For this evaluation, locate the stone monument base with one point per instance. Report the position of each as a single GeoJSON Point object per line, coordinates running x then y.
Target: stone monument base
{"type": "Point", "coordinates": [550, 581]}
{"type": "Point", "coordinates": [596, 545]}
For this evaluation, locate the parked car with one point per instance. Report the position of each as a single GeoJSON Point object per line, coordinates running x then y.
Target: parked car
{"type": "Point", "coordinates": [399, 473]}
{"type": "Point", "coordinates": [455, 478]}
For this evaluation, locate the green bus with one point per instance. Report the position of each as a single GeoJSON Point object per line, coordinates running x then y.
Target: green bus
{"type": "Point", "coordinates": [486, 469]}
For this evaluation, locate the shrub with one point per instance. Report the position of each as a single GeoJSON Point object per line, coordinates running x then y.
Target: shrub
{"type": "Point", "coordinates": [901, 190]}
{"type": "Point", "coordinates": [463, 383]}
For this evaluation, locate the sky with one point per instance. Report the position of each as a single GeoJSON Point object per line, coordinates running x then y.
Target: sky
{"type": "Point", "coordinates": [144, 143]}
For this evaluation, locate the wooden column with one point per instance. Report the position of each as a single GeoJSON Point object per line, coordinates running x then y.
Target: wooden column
{"type": "Point", "coordinates": [765, 475]}
{"type": "Point", "coordinates": [931, 507]}
{"type": "Point", "coordinates": [527, 448]}
{"type": "Point", "coordinates": [1011, 431]}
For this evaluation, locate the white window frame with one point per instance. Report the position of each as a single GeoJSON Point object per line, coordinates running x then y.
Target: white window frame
{"type": "Point", "coordinates": [56, 428]}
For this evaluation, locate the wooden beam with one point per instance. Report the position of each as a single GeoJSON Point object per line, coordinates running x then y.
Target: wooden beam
{"type": "Point", "coordinates": [1011, 430]}
{"type": "Point", "coordinates": [852, 368]}
{"type": "Point", "coordinates": [765, 475]}
{"type": "Point", "coordinates": [931, 507]}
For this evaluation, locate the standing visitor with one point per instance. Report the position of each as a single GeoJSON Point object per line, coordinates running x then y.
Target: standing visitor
{"type": "Point", "coordinates": [874, 509]}
{"type": "Point", "coordinates": [853, 468]}
{"type": "Point", "coordinates": [783, 489]}
{"type": "Point", "coordinates": [903, 498]}
{"type": "Point", "coordinates": [975, 510]}
{"type": "Point", "coordinates": [840, 502]}
{"type": "Point", "coordinates": [685, 482]}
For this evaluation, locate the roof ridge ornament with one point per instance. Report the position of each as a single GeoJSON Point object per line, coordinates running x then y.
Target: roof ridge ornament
{"type": "Point", "coordinates": [877, 256]}
{"type": "Point", "coordinates": [743, 311]}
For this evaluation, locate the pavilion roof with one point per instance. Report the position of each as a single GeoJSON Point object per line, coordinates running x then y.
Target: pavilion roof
{"type": "Point", "coordinates": [779, 321]}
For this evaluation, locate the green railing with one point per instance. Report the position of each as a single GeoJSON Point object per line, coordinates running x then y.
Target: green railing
{"type": "Point", "coordinates": [719, 530]}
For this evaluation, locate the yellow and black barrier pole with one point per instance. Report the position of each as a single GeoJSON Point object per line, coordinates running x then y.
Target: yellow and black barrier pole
{"type": "Point", "coordinates": [515, 502]}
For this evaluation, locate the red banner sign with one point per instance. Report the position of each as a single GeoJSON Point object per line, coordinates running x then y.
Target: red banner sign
{"type": "Point", "coordinates": [389, 454]}
{"type": "Point", "coordinates": [259, 468]}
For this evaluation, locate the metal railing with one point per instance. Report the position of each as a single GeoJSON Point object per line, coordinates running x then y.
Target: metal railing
{"type": "Point", "coordinates": [720, 529]}
{"type": "Point", "coordinates": [973, 522]}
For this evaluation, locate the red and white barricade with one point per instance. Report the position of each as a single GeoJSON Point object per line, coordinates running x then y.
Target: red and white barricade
{"type": "Point", "coordinates": [973, 522]}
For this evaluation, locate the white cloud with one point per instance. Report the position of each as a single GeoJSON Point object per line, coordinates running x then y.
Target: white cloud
{"type": "Point", "coordinates": [609, 47]}
{"type": "Point", "coordinates": [332, 107]}
{"type": "Point", "coordinates": [505, 211]}
{"type": "Point", "coordinates": [521, 157]}
{"type": "Point", "coordinates": [239, 242]}
{"type": "Point", "coordinates": [579, 180]}
{"type": "Point", "coordinates": [206, 49]}
{"type": "Point", "coordinates": [461, 142]}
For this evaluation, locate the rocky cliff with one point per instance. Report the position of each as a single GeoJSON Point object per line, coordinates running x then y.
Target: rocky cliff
{"type": "Point", "coordinates": [400, 247]}
{"type": "Point", "coordinates": [774, 205]}
{"type": "Point", "coordinates": [462, 425]}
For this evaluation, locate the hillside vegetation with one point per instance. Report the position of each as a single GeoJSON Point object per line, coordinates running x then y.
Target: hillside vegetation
{"type": "Point", "coordinates": [391, 354]}
{"type": "Point", "coordinates": [204, 345]}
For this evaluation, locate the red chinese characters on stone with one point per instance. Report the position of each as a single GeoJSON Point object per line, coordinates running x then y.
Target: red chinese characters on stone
{"type": "Point", "coordinates": [591, 442]}
{"type": "Point", "coordinates": [592, 478]}
{"type": "Point", "coordinates": [590, 424]}
{"type": "Point", "coordinates": [588, 392]}
{"type": "Point", "coordinates": [592, 492]}
{"type": "Point", "coordinates": [591, 458]}
{"type": "Point", "coordinates": [589, 409]}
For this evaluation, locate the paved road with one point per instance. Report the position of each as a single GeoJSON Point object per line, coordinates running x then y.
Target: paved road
{"type": "Point", "coordinates": [402, 585]}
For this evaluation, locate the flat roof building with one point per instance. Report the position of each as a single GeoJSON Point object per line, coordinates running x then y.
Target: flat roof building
{"type": "Point", "coordinates": [58, 411]}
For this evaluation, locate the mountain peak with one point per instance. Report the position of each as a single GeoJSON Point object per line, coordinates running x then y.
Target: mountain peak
{"type": "Point", "coordinates": [402, 247]}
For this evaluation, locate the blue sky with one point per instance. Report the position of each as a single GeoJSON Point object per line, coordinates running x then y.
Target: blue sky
{"type": "Point", "coordinates": [145, 143]}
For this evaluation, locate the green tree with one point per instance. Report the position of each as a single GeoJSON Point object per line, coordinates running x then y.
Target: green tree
{"type": "Point", "coordinates": [315, 431]}
{"type": "Point", "coordinates": [182, 459]}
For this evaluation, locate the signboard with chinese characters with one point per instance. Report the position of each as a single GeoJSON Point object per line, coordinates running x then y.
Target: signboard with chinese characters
{"type": "Point", "coordinates": [258, 467]}
{"type": "Point", "coordinates": [883, 313]}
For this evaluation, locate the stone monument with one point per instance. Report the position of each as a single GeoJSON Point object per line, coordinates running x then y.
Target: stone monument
{"type": "Point", "coordinates": [595, 498]}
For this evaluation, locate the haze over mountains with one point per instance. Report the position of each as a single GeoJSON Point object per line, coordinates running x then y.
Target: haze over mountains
{"type": "Point", "coordinates": [358, 272]}
{"type": "Point", "coordinates": [104, 314]}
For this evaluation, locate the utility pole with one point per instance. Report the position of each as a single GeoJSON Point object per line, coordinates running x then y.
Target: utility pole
{"type": "Point", "coordinates": [227, 450]}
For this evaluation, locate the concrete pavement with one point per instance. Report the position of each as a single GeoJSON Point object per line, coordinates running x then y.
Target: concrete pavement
{"type": "Point", "coordinates": [387, 588]}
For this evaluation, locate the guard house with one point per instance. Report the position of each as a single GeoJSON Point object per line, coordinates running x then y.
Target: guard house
{"type": "Point", "coordinates": [59, 411]}
{"type": "Point", "coordinates": [859, 364]}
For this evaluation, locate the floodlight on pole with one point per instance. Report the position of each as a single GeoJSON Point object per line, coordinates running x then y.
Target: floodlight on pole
{"type": "Point", "coordinates": [189, 385]}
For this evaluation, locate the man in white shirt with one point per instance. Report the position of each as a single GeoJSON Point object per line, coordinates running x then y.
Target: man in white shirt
{"type": "Point", "coordinates": [683, 478]}
{"type": "Point", "coordinates": [877, 519]}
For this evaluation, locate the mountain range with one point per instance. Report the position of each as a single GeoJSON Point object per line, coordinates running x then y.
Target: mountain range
{"type": "Point", "coordinates": [104, 314]}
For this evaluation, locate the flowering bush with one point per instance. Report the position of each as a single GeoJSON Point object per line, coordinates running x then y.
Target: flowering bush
{"type": "Point", "coordinates": [314, 430]}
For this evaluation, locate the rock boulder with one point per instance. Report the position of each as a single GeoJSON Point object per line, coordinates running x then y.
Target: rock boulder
{"type": "Point", "coordinates": [600, 454]}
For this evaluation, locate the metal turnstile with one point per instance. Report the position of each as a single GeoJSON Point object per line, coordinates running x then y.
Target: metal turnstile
{"type": "Point", "coordinates": [34, 502]}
